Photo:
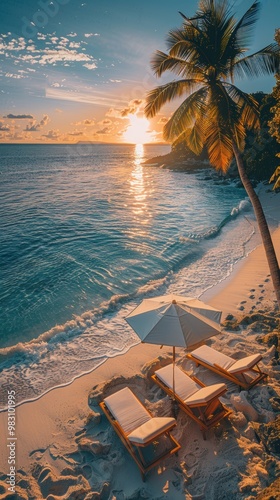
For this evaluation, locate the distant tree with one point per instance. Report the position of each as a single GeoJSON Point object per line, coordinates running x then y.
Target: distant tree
{"type": "Point", "coordinates": [274, 124]}
{"type": "Point", "coordinates": [206, 53]}
{"type": "Point", "coordinates": [260, 147]}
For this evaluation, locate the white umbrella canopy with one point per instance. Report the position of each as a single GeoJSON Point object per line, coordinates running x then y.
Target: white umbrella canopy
{"type": "Point", "coordinates": [174, 320]}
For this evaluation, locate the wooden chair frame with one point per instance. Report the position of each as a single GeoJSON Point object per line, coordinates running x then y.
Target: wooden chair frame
{"type": "Point", "coordinates": [135, 449]}
{"type": "Point", "coordinates": [206, 415]}
{"type": "Point", "coordinates": [242, 382]}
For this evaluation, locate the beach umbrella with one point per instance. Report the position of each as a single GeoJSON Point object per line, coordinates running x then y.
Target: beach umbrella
{"type": "Point", "coordinates": [174, 320]}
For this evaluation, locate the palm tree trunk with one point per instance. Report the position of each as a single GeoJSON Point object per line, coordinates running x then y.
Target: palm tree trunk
{"type": "Point", "coordinates": [262, 223]}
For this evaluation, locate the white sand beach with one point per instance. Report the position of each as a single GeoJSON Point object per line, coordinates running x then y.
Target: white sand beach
{"type": "Point", "coordinates": [65, 448]}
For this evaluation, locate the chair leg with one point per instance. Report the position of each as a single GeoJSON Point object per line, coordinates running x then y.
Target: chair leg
{"type": "Point", "coordinates": [213, 405]}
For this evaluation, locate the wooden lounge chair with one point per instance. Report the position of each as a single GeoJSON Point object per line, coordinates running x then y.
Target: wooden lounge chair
{"type": "Point", "coordinates": [147, 438]}
{"type": "Point", "coordinates": [245, 372]}
{"type": "Point", "coordinates": [198, 401]}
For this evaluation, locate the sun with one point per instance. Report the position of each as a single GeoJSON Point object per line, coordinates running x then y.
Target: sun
{"type": "Point", "coordinates": [137, 130]}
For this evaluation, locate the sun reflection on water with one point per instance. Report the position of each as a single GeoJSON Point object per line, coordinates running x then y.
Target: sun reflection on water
{"type": "Point", "coordinates": [138, 188]}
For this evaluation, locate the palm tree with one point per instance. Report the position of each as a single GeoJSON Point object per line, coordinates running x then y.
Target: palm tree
{"type": "Point", "coordinates": [206, 53]}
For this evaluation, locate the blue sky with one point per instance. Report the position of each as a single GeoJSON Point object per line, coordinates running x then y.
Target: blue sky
{"type": "Point", "coordinates": [76, 70]}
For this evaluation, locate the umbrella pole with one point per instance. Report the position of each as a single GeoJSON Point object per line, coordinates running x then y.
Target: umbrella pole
{"type": "Point", "coordinates": [174, 402]}
{"type": "Point", "coordinates": [173, 373]}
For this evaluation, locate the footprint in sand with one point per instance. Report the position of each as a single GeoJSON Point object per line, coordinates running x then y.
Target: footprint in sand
{"type": "Point", "coordinates": [251, 296]}
{"type": "Point", "coordinates": [232, 343]}
{"type": "Point", "coordinates": [39, 450]}
{"type": "Point", "coordinates": [267, 279]}
{"type": "Point", "coordinates": [260, 286]}
{"type": "Point", "coordinates": [243, 302]}
{"type": "Point", "coordinates": [262, 291]}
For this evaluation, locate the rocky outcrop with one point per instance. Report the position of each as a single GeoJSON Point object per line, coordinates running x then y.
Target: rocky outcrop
{"type": "Point", "coordinates": [269, 434]}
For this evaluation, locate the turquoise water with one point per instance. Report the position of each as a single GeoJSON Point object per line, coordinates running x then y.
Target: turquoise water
{"type": "Point", "coordinates": [86, 232]}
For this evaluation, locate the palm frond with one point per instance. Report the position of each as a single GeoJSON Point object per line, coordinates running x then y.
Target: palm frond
{"type": "Point", "coordinates": [223, 107]}
{"type": "Point", "coordinates": [265, 61]}
{"type": "Point", "coordinates": [249, 107]}
{"type": "Point", "coordinates": [174, 36]}
{"type": "Point", "coordinates": [185, 116]}
{"type": "Point", "coordinates": [196, 138]}
{"type": "Point", "coordinates": [218, 140]}
{"type": "Point", "coordinates": [244, 28]}
{"type": "Point", "coordinates": [277, 184]}
{"type": "Point", "coordinates": [159, 96]}
{"type": "Point", "coordinates": [189, 45]}
{"type": "Point", "coordinates": [162, 62]}
{"type": "Point", "coordinates": [239, 135]}
{"type": "Point", "coordinates": [183, 137]}
{"type": "Point", "coordinates": [193, 137]}
{"type": "Point", "coordinates": [276, 178]}
{"type": "Point", "coordinates": [190, 19]}
{"type": "Point", "coordinates": [275, 175]}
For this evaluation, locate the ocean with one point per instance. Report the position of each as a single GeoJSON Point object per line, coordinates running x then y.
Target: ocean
{"type": "Point", "coordinates": [88, 231]}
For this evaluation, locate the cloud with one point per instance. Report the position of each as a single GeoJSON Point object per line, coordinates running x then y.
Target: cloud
{"type": "Point", "coordinates": [76, 133]}
{"type": "Point", "coordinates": [103, 131]}
{"type": "Point", "coordinates": [72, 34]}
{"type": "Point", "coordinates": [88, 122]}
{"type": "Point", "coordinates": [4, 127]}
{"type": "Point", "coordinates": [105, 122]}
{"type": "Point", "coordinates": [56, 50]}
{"type": "Point", "coordinates": [115, 81]}
{"type": "Point", "coordinates": [52, 134]}
{"type": "Point", "coordinates": [53, 56]}
{"type": "Point", "coordinates": [36, 126]}
{"type": "Point", "coordinates": [14, 75]}
{"type": "Point", "coordinates": [14, 45]}
{"type": "Point", "coordinates": [19, 117]}
{"type": "Point", "coordinates": [114, 113]}
{"type": "Point", "coordinates": [101, 98]}
{"type": "Point", "coordinates": [74, 45]}
{"type": "Point", "coordinates": [90, 66]}
{"type": "Point", "coordinates": [132, 108]}
{"type": "Point", "coordinates": [87, 35]}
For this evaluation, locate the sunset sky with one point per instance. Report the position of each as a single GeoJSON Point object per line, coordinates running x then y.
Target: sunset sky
{"type": "Point", "coordinates": [74, 70]}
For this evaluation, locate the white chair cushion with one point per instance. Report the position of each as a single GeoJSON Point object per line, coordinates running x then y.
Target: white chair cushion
{"type": "Point", "coordinates": [184, 385]}
{"type": "Point", "coordinates": [212, 357]}
{"type": "Point", "coordinates": [127, 410]}
{"type": "Point", "coordinates": [151, 429]}
{"type": "Point", "coordinates": [245, 363]}
{"type": "Point", "coordinates": [205, 394]}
